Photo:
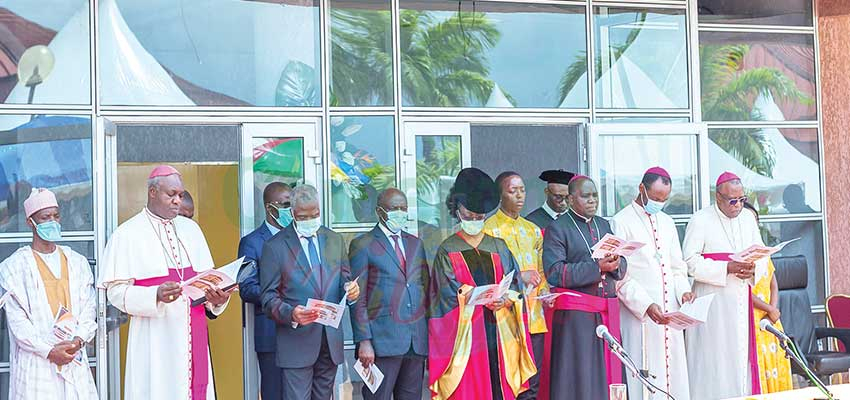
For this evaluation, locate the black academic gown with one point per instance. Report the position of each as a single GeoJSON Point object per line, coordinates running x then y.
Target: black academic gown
{"type": "Point", "coordinates": [445, 288]}
{"type": "Point", "coordinates": [540, 218]}
{"type": "Point", "coordinates": [577, 359]}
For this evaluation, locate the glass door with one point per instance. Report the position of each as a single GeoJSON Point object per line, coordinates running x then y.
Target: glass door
{"type": "Point", "coordinates": [434, 152]}
{"type": "Point", "coordinates": [621, 153]}
{"type": "Point", "coordinates": [272, 152]}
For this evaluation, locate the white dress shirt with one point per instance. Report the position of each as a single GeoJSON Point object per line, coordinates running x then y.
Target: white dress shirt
{"type": "Point", "coordinates": [550, 211]}
{"type": "Point", "coordinates": [272, 228]}
{"type": "Point", "coordinates": [390, 235]}
{"type": "Point", "coordinates": [305, 245]}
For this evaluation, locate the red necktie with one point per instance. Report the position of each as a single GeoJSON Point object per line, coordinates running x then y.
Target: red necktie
{"type": "Point", "coordinates": [399, 254]}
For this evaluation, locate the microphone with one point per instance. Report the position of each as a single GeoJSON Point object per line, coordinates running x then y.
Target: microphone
{"type": "Point", "coordinates": [602, 333]}
{"type": "Point", "coordinates": [765, 325]}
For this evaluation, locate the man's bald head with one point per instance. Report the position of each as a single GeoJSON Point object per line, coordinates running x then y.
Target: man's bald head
{"type": "Point", "coordinates": [390, 198]}
{"type": "Point", "coordinates": [577, 183]}
{"type": "Point", "coordinates": [273, 191]}
{"type": "Point", "coordinates": [187, 205]}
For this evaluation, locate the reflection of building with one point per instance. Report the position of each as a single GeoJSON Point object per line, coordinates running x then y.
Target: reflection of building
{"type": "Point", "coordinates": [242, 93]}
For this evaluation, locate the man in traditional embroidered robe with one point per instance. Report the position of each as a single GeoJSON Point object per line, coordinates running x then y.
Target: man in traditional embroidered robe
{"type": "Point", "coordinates": [722, 359]}
{"type": "Point", "coordinates": [476, 351]}
{"type": "Point", "coordinates": [579, 367]}
{"type": "Point", "coordinates": [657, 283]}
{"type": "Point", "coordinates": [43, 279]}
{"type": "Point", "coordinates": [146, 260]}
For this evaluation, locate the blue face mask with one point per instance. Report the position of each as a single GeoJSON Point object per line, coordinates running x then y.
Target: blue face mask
{"type": "Point", "coordinates": [652, 207]}
{"type": "Point", "coordinates": [396, 220]}
{"type": "Point", "coordinates": [50, 231]}
{"type": "Point", "coordinates": [471, 227]}
{"type": "Point", "coordinates": [284, 216]}
{"type": "Point", "coordinates": [308, 227]}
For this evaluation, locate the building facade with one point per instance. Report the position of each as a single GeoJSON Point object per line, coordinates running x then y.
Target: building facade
{"type": "Point", "coordinates": [355, 96]}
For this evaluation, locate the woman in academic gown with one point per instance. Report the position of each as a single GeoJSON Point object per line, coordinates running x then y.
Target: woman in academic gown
{"type": "Point", "coordinates": [483, 351]}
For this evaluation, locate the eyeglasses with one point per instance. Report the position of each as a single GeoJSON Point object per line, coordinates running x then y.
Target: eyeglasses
{"type": "Point", "coordinates": [734, 201]}
{"type": "Point", "coordinates": [278, 205]}
{"type": "Point", "coordinates": [559, 198]}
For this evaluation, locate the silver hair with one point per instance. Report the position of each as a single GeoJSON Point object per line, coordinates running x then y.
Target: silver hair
{"type": "Point", "coordinates": [154, 182]}
{"type": "Point", "coordinates": [304, 194]}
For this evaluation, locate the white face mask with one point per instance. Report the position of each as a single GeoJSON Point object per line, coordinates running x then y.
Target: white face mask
{"type": "Point", "coordinates": [308, 227]}
{"type": "Point", "coordinates": [471, 228]}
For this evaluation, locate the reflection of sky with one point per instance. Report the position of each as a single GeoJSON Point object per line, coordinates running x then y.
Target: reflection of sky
{"type": "Point", "coordinates": [658, 50]}
{"type": "Point", "coordinates": [45, 164]}
{"type": "Point", "coordinates": [34, 10]}
{"type": "Point", "coordinates": [237, 48]}
{"type": "Point", "coordinates": [532, 54]}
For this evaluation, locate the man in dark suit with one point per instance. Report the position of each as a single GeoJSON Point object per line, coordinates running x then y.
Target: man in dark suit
{"type": "Point", "coordinates": [305, 260]}
{"type": "Point", "coordinates": [278, 216]}
{"type": "Point", "coordinates": [556, 198]}
{"type": "Point", "coordinates": [389, 324]}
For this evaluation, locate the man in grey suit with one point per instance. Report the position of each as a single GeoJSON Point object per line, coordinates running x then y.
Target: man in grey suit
{"type": "Point", "coordinates": [305, 260]}
{"type": "Point", "coordinates": [390, 325]}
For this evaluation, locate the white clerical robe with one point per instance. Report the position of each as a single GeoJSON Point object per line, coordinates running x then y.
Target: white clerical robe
{"type": "Point", "coordinates": [30, 320]}
{"type": "Point", "coordinates": [718, 350]}
{"type": "Point", "coordinates": [158, 348]}
{"type": "Point", "coordinates": [657, 275]}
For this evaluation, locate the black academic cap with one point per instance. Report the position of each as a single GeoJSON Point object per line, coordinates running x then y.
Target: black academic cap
{"type": "Point", "coordinates": [475, 190]}
{"type": "Point", "coordinates": [556, 176]}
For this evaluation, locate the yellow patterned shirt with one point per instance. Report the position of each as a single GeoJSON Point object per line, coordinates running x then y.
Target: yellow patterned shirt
{"type": "Point", "coordinates": [525, 241]}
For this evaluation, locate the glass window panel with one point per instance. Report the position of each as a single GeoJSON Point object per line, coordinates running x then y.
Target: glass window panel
{"type": "Point", "coordinates": [642, 120]}
{"type": "Point", "coordinates": [756, 12]}
{"type": "Point", "coordinates": [642, 58]}
{"type": "Point", "coordinates": [46, 151]}
{"type": "Point", "coordinates": [479, 54]}
{"type": "Point", "coordinates": [780, 168]}
{"type": "Point", "coordinates": [757, 76]}
{"type": "Point", "coordinates": [63, 27]}
{"type": "Point", "coordinates": [361, 53]}
{"type": "Point", "coordinates": [275, 160]}
{"type": "Point", "coordinates": [810, 245]}
{"type": "Point", "coordinates": [438, 161]}
{"type": "Point", "coordinates": [362, 164]}
{"type": "Point", "coordinates": [206, 53]}
{"type": "Point", "coordinates": [624, 159]}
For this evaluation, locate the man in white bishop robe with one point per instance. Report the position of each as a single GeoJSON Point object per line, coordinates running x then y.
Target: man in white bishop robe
{"type": "Point", "coordinates": [721, 352]}
{"type": "Point", "coordinates": [656, 283]}
{"type": "Point", "coordinates": [42, 279]}
{"type": "Point", "coordinates": [146, 260]}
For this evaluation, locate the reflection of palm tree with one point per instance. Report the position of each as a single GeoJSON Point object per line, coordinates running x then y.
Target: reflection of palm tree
{"type": "Point", "coordinates": [443, 59]}
{"type": "Point", "coordinates": [438, 161]}
{"type": "Point", "coordinates": [443, 62]}
{"type": "Point", "coordinates": [579, 67]}
{"type": "Point", "coordinates": [361, 59]}
{"type": "Point", "coordinates": [728, 92]}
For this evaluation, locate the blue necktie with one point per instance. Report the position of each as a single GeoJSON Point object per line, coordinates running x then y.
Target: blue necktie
{"type": "Point", "coordinates": [314, 262]}
{"type": "Point", "coordinates": [314, 254]}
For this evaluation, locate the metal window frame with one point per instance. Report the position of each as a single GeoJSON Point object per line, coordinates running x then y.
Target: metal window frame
{"type": "Point", "coordinates": [699, 147]}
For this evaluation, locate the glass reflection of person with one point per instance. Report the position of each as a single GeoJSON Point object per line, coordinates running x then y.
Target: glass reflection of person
{"type": "Point", "coordinates": [794, 200]}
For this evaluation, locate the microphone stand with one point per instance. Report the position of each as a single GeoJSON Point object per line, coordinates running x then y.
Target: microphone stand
{"type": "Point", "coordinates": [791, 352]}
{"type": "Point", "coordinates": [630, 365]}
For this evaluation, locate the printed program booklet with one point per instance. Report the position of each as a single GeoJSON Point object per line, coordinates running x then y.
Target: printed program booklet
{"type": "Point", "coordinates": [223, 278]}
{"type": "Point", "coordinates": [611, 244]}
